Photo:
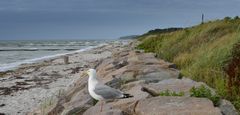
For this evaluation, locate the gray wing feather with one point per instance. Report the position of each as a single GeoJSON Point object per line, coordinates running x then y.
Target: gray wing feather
{"type": "Point", "coordinates": [107, 92]}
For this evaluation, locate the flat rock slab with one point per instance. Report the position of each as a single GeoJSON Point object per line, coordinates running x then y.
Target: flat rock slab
{"type": "Point", "coordinates": [175, 85]}
{"type": "Point", "coordinates": [176, 106]}
{"type": "Point", "coordinates": [106, 111]}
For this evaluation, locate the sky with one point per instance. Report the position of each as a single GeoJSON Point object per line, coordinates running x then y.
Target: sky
{"type": "Point", "coordinates": [103, 19]}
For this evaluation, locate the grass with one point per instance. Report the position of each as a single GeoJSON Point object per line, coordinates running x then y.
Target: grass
{"type": "Point", "coordinates": [47, 104]}
{"type": "Point", "coordinates": [204, 92]}
{"type": "Point", "coordinates": [201, 91]}
{"type": "Point", "coordinates": [169, 93]}
{"type": "Point", "coordinates": [202, 52]}
{"type": "Point", "coordinates": [50, 102]}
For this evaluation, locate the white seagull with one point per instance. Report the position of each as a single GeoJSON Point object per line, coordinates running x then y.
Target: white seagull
{"type": "Point", "coordinates": [102, 92]}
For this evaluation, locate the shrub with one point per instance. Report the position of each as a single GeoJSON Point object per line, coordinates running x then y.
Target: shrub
{"type": "Point", "coordinates": [204, 92]}
{"type": "Point", "coordinates": [236, 102]}
{"type": "Point", "coordinates": [233, 71]}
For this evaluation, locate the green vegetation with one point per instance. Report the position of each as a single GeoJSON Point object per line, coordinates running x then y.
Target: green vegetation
{"type": "Point", "coordinates": [169, 93]}
{"type": "Point", "coordinates": [209, 52]}
{"type": "Point", "coordinates": [203, 91]}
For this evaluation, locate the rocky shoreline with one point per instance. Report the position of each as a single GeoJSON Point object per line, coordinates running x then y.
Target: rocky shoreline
{"type": "Point", "coordinates": [119, 66]}
{"type": "Point", "coordinates": [31, 86]}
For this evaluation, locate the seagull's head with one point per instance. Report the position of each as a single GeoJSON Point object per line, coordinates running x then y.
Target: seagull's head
{"type": "Point", "coordinates": [91, 72]}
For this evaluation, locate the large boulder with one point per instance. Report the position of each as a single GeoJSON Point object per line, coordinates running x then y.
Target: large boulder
{"type": "Point", "coordinates": [227, 108]}
{"type": "Point", "coordinates": [174, 85]}
{"type": "Point", "coordinates": [176, 106]}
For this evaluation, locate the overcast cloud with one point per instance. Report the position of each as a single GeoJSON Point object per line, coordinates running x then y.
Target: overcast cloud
{"type": "Point", "coordinates": [103, 19]}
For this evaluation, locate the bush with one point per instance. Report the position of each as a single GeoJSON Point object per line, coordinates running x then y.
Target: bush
{"type": "Point", "coordinates": [236, 18]}
{"type": "Point", "coordinates": [202, 52]}
{"type": "Point", "coordinates": [204, 92]}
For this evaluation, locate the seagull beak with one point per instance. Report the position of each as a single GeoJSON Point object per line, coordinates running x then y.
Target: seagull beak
{"type": "Point", "coordinates": [84, 74]}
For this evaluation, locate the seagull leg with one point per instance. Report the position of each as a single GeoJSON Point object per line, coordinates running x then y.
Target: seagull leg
{"type": "Point", "coordinates": [101, 106]}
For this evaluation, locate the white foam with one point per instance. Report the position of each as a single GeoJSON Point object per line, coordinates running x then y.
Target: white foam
{"type": "Point", "coordinates": [10, 66]}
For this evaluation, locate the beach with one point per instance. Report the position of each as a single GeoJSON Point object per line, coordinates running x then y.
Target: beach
{"type": "Point", "coordinates": [32, 85]}
{"type": "Point", "coordinates": [57, 86]}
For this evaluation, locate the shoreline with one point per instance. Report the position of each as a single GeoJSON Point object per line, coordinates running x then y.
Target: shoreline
{"type": "Point", "coordinates": [15, 65]}
{"type": "Point", "coordinates": [30, 85]}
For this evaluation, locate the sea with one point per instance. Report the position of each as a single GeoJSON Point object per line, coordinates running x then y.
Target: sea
{"type": "Point", "coordinates": [15, 52]}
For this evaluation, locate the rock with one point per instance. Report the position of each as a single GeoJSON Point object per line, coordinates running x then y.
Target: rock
{"type": "Point", "coordinates": [120, 64]}
{"type": "Point", "coordinates": [174, 66]}
{"type": "Point", "coordinates": [115, 83]}
{"type": "Point", "coordinates": [75, 100]}
{"type": "Point", "coordinates": [113, 112]}
{"type": "Point", "coordinates": [150, 91]}
{"type": "Point", "coordinates": [148, 58]}
{"type": "Point", "coordinates": [123, 53]}
{"type": "Point", "coordinates": [227, 108]}
{"type": "Point", "coordinates": [134, 89]}
{"type": "Point", "coordinates": [107, 110]}
{"type": "Point", "coordinates": [128, 77]}
{"type": "Point", "coordinates": [174, 85]}
{"type": "Point", "coordinates": [130, 85]}
{"type": "Point", "coordinates": [176, 106]}
{"type": "Point", "coordinates": [78, 104]}
{"type": "Point", "coordinates": [134, 59]}
{"type": "Point", "coordinates": [156, 76]}
{"type": "Point", "coordinates": [143, 76]}
{"type": "Point", "coordinates": [125, 105]}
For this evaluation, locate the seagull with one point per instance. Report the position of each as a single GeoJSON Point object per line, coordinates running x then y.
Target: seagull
{"type": "Point", "coordinates": [102, 92]}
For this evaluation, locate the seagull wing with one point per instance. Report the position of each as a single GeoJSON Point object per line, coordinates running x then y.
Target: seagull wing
{"type": "Point", "coordinates": [107, 92]}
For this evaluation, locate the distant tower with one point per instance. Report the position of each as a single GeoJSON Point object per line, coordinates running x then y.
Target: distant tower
{"type": "Point", "coordinates": [202, 18]}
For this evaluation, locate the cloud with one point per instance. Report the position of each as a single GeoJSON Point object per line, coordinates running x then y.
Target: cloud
{"type": "Point", "coordinates": [104, 18]}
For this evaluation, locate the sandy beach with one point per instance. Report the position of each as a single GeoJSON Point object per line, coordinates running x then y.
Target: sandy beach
{"type": "Point", "coordinates": [32, 85]}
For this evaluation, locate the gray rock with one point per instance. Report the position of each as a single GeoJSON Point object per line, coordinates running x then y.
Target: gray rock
{"type": "Point", "coordinates": [119, 64]}
{"type": "Point", "coordinates": [156, 76]}
{"type": "Point", "coordinates": [227, 108]}
{"type": "Point", "coordinates": [115, 83]}
{"type": "Point", "coordinates": [128, 77]}
{"type": "Point", "coordinates": [174, 85]}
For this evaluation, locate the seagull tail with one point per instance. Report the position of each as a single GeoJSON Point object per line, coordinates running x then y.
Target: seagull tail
{"type": "Point", "coordinates": [125, 95]}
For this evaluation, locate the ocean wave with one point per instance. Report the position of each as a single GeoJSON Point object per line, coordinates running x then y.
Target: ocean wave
{"type": "Point", "coordinates": [10, 66]}
{"type": "Point", "coordinates": [47, 43]}
{"type": "Point", "coordinates": [37, 49]}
